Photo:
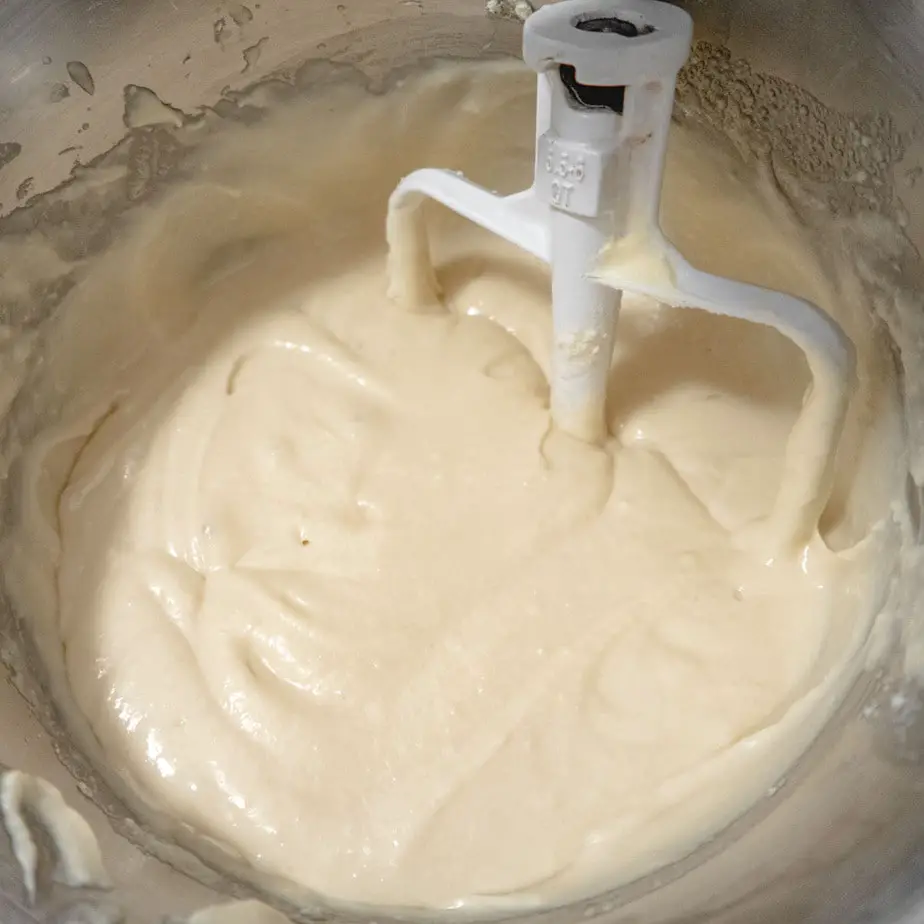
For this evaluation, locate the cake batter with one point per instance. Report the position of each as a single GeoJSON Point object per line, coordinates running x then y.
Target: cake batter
{"type": "Point", "coordinates": [313, 577]}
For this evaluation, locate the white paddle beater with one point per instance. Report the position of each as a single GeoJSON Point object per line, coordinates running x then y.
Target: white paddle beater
{"type": "Point", "coordinates": [606, 76]}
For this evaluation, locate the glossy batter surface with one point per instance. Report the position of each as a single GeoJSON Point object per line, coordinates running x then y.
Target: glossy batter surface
{"type": "Point", "coordinates": [320, 582]}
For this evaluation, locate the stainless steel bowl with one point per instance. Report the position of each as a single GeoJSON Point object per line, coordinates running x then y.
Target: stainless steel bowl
{"type": "Point", "coordinates": [840, 841]}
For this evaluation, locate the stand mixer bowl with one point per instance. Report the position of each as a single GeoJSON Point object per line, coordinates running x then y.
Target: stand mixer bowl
{"type": "Point", "coordinates": [842, 839]}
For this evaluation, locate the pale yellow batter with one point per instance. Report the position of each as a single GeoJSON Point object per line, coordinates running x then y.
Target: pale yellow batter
{"type": "Point", "coordinates": [313, 577]}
